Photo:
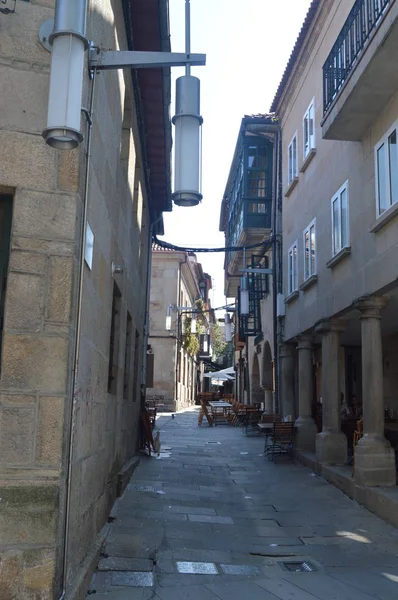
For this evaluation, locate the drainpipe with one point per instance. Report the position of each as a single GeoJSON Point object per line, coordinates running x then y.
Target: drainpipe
{"type": "Point", "coordinates": [275, 266]}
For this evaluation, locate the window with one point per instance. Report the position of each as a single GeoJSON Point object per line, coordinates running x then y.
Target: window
{"type": "Point", "coordinates": [257, 171]}
{"type": "Point", "coordinates": [310, 250]}
{"type": "Point", "coordinates": [386, 171]}
{"type": "Point", "coordinates": [6, 205]}
{"type": "Point", "coordinates": [292, 160]}
{"type": "Point", "coordinates": [309, 130]}
{"type": "Point", "coordinates": [114, 340]}
{"type": "Point", "coordinates": [292, 269]}
{"type": "Point", "coordinates": [127, 355]}
{"type": "Point", "coordinates": [340, 229]}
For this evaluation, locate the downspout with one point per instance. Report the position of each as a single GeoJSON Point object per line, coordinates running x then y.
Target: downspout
{"type": "Point", "coordinates": [275, 266]}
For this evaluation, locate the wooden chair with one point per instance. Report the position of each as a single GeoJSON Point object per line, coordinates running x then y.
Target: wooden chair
{"type": "Point", "coordinates": [252, 416]}
{"type": "Point", "coordinates": [281, 440]}
{"type": "Point", "coordinates": [269, 419]}
{"type": "Point", "coordinates": [358, 433]}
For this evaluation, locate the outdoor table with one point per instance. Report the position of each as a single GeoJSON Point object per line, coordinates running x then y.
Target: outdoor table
{"type": "Point", "coordinates": [219, 411]}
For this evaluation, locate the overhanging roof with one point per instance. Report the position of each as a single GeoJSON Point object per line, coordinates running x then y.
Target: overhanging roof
{"type": "Point", "coordinates": [147, 22]}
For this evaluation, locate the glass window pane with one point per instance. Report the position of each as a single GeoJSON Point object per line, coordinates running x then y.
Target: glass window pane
{"type": "Point", "coordinates": [344, 218]}
{"type": "Point", "coordinates": [295, 157]}
{"type": "Point", "coordinates": [290, 269]}
{"type": "Point", "coordinates": [336, 227]}
{"type": "Point", "coordinates": [393, 166]}
{"type": "Point", "coordinates": [381, 178]}
{"type": "Point", "coordinates": [290, 161]}
{"type": "Point", "coordinates": [251, 156]}
{"type": "Point", "coordinates": [295, 272]}
{"type": "Point", "coordinates": [306, 135]}
{"type": "Point", "coordinates": [306, 255]}
{"type": "Point", "coordinates": [311, 127]}
{"type": "Point", "coordinates": [312, 236]}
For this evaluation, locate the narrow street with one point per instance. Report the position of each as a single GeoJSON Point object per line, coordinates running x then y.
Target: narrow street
{"type": "Point", "coordinates": [213, 519]}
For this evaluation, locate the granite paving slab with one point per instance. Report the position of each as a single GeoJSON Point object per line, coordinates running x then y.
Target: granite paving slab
{"type": "Point", "coordinates": [223, 503]}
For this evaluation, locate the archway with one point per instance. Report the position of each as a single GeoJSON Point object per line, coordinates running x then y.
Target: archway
{"type": "Point", "coordinates": [267, 382]}
{"type": "Point", "coordinates": [256, 395]}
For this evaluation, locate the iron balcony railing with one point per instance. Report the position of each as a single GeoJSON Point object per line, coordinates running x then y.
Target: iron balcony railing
{"type": "Point", "coordinates": [363, 19]}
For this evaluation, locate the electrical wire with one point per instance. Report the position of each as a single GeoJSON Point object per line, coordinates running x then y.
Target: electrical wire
{"type": "Point", "coordinates": [266, 245]}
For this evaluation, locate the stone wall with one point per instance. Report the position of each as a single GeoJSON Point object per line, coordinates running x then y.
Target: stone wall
{"type": "Point", "coordinates": [40, 313]}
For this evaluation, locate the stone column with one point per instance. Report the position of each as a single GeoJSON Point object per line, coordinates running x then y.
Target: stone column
{"type": "Point", "coordinates": [305, 426]}
{"type": "Point", "coordinates": [374, 457]}
{"type": "Point", "coordinates": [268, 402]}
{"type": "Point", "coordinates": [286, 390]}
{"type": "Point", "coordinates": [331, 443]}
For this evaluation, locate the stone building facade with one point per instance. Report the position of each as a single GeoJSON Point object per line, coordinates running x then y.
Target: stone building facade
{"type": "Point", "coordinates": [177, 281]}
{"type": "Point", "coordinates": [247, 220]}
{"type": "Point", "coordinates": [72, 363]}
{"type": "Point", "coordinates": [337, 106]}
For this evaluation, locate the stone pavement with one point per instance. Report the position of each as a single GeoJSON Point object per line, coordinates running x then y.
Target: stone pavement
{"type": "Point", "coordinates": [213, 519]}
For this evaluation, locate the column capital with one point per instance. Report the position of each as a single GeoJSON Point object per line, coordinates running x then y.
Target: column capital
{"type": "Point", "coordinates": [305, 342]}
{"type": "Point", "coordinates": [328, 325]}
{"type": "Point", "coordinates": [370, 306]}
{"type": "Point", "coordinates": [286, 350]}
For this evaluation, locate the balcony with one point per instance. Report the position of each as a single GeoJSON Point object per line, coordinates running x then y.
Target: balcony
{"type": "Point", "coordinates": [360, 74]}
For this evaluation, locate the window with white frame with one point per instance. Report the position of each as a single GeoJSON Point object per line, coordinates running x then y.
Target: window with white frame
{"type": "Point", "coordinates": [292, 269]}
{"type": "Point", "coordinates": [386, 171]}
{"type": "Point", "coordinates": [340, 222]}
{"type": "Point", "coordinates": [292, 160]}
{"type": "Point", "coordinates": [309, 239]}
{"type": "Point", "coordinates": [309, 130]}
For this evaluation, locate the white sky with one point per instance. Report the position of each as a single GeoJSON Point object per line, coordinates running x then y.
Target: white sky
{"type": "Point", "coordinates": [248, 44]}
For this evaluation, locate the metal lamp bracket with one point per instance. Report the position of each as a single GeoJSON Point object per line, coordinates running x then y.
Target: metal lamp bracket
{"type": "Point", "coordinates": [103, 60]}
{"type": "Point", "coordinates": [45, 31]}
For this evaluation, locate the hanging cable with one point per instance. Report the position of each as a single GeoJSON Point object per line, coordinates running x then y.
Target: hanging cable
{"type": "Point", "coordinates": [266, 245]}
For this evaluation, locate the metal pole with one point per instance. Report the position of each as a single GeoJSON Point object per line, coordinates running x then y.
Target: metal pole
{"type": "Point", "coordinates": [187, 34]}
{"type": "Point", "coordinates": [89, 116]}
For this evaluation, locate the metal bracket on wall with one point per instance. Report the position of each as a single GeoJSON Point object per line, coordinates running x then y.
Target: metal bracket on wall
{"type": "Point", "coordinates": [45, 31]}
{"type": "Point", "coordinates": [103, 60]}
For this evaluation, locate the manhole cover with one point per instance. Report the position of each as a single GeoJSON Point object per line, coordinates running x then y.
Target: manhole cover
{"type": "Point", "coordinates": [297, 567]}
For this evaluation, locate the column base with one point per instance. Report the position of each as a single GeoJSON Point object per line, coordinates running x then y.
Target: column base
{"type": "Point", "coordinates": [374, 462]}
{"type": "Point", "coordinates": [305, 434]}
{"type": "Point", "coordinates": [331, 448]}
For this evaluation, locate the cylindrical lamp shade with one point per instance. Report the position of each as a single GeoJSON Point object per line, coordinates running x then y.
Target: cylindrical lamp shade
{"type": "Point", "coordinates": [168, 323]}
{"type": "Point", "coordinates": [65, 96]}
{"type": "Point", "coordinates": [228, 330]}
{"type": "Point", "coordinates": [187, 142]}
{"type": "Point", "coordinates": [244, 296]}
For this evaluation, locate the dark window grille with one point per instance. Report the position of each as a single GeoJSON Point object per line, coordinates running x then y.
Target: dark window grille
{"type": "Point", "coordinates": [363, 19]}
{"type": "Point", "coordinates": [250, 325]}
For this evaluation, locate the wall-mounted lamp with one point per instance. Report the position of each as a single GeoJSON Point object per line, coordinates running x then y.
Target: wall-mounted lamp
{"type": "Point", "coordinates": [244, 296]}
{"type": "Point", "coordinates": [168, 317]}
{"type": "Point", "coordinates": [69, 43]}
